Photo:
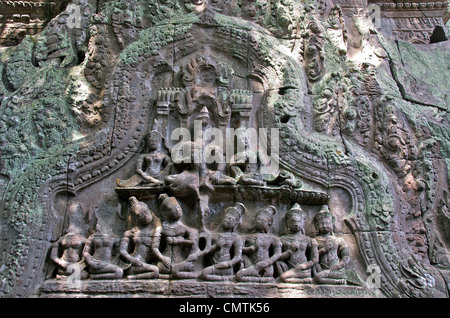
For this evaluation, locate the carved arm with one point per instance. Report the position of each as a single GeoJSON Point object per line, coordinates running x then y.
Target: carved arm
{"type": "Point", "coordinates": [124, 252]}
{"type": "Point", "coordinates": [55, 257]}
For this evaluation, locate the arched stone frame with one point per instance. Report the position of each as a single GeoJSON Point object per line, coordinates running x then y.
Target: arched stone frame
{"type": "Point", "coordinates": [109, 163]}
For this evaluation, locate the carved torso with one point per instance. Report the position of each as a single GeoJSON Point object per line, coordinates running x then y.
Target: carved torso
{"type": "Point", "coordinates": [299, 244]}
{"type": "Point", "coordinates": [72, 246]}
{"type": "Point", "coordinates": [103, 246]}
{"type": "Point", "coordinates": [154, 163]}
{"type": "Point", "coordinates": [225, 241]}
{"type": "Point", "coordinates": [174, 234]}
{"type": "Point", "coordinates": [142, 242]}
{"type": "Point", "coordinates": [262, 243]}
{"type": "Point", "coordinates": [329, 248]}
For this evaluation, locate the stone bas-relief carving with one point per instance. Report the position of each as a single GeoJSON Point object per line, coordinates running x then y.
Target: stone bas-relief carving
{"type": "Point", "coordinates": [226, 148]}
{"type": "Point", "coordinates": [158, 248]}
{"type": "Point", "coordinates": [141, 239]}
{"type": "Point", "coordinates": [68, 250]}
{"type": "Point", "coordinates": [226, 246]}
{"type": "Point", "coordinates": [258, 265]}
{"type": "Point", "coordinates": [19, 18]}
{"type": "Point", "coordinates": [300, 252]}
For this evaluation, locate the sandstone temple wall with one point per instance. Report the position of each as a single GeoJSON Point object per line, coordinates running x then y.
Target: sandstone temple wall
{"type": "Point", "coordinates": [232, 148]}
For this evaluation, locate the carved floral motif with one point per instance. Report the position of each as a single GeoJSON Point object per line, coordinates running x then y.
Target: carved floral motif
{"type": "Point", "coordinates": [100, 135]}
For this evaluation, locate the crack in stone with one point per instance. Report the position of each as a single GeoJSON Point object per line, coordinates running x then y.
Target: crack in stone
{"type": "Point", "coordinates": [399, 84]}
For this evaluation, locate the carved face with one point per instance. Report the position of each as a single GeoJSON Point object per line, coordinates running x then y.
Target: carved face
{"type": "Point", "coordinates": [229, 221]}
{"type": "Point", "coordinates": [141, 211]}
{"type": "Point", "coordinates": [295, 224]}
{"type": "Point", "coordinates": [262, 223]}
{"type": "Point", "coordinates": [153, 140]}
{"type": "Point", "coordinates": [325, 225]}
{"type": "Point", "coordinates": [173, 212]}
{"type": "Point", "coordinates": [250, 10]}
{"type": "Point", "coordinates": [144, 217]}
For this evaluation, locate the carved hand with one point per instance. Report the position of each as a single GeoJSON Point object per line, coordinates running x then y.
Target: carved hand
{"type": "Point", "coordinates": [166, 261]}
{"type": "Point", "coordinates": [303, 266]}
{"type": "Point", "coordinates": [93, 263]}
{"type": "Point", "coordinates": [337, 266]}
{"type": "Point", "coordinates": [138, 262]}
{"type": "Point", "coordinates": [172, 240]}
{"type": "Point", "coordinates": [62, 263]}
{"type": "Point", "coordinates": [261, 265]}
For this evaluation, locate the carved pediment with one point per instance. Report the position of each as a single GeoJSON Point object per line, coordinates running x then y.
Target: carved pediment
{"type": "Point", "coordinates": [227, 147]}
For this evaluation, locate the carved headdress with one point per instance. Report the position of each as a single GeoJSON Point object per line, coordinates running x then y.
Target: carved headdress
{"type": "Point", "coordinates": [155, 134]}
{"type": "Point", "coordinates": [269, 212]}
{"type": "Point", "coordinates": [324, 212]}
{"type": "Point", "coordinates": [236, 210]}
{"type": "Point", "coordinates": [296, 212]}
{"type": "Point", "coordinates": [168, 203]}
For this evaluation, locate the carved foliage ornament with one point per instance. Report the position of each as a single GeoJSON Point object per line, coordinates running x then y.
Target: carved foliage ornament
{"type": "Point", "coordinates": [351, 177]}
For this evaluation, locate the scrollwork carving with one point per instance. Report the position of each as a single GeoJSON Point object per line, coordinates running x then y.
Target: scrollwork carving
{"type": "Point", "coordinates": [82, 107]}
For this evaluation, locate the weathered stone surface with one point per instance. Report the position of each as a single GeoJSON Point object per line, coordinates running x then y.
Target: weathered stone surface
{"type": "Point", "coordinates": [419, 77]}
{"type": "Point", "coordinates": [101, 198]}
{"type": "Point", "coordinates": [195, 289]}
{"type": "Point", "coordinates": [21, 18]}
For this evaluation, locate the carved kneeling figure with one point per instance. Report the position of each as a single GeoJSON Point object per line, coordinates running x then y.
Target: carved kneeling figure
{"type": "Point", "coordinates": [175, 236]}
{"type": "Point", "coordinates": [98, 253]}
{"type": "Point", "coordinates": [142, 237]}
{"type": "Point", "coordinates": [226, 247]}
{"type": "Point", "coordinates": [333, 252]}
{"type": "Point", "coordinates": [258, 262]}
{"type": "Point", "coordinates": [67, 251]}
{"type": "Point", "coordinates": [300, 252]}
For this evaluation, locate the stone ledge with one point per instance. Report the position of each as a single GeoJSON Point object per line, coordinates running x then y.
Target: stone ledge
{"type": "Point", "coordinates": [198, 289]}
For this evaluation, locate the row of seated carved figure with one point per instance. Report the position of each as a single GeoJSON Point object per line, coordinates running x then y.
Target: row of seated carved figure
{"type": "Point", "coordinates": [167, 248]}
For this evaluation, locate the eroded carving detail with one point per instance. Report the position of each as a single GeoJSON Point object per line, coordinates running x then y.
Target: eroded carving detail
{"type": "Point", "coordinates": [135, 72]}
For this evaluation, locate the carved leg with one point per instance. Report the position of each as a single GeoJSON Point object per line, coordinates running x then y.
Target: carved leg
{"type": "Point", "coordinates": [185, 270]}
{"type": "Point", "coordinates": [146, 272]}
{"type": "Point", "coordinates": [107, 272]}
{"type": "Point", "coordinates": [330, 278]}
{"type": "Point", "coordinates": [224, 180]}
{"type": "Point", "coordinates": [211, 273]}
{"type": "Point", "coordinates": [251, 274]}
{"type": "Point", "coordinates": [163, 269]}
{"type": "Point", "coordinates": [297, 276]}
{"type": "Point", "coordinates": [131, 182]}
{"type": "Point", "coordinates": [150, 181]}
{"type": "Point", "coordinates": [329, 281]}
{"type": "Point", "coordinates": [63, 274]}
{"type": "Point", "coordinates": [250, 180]}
